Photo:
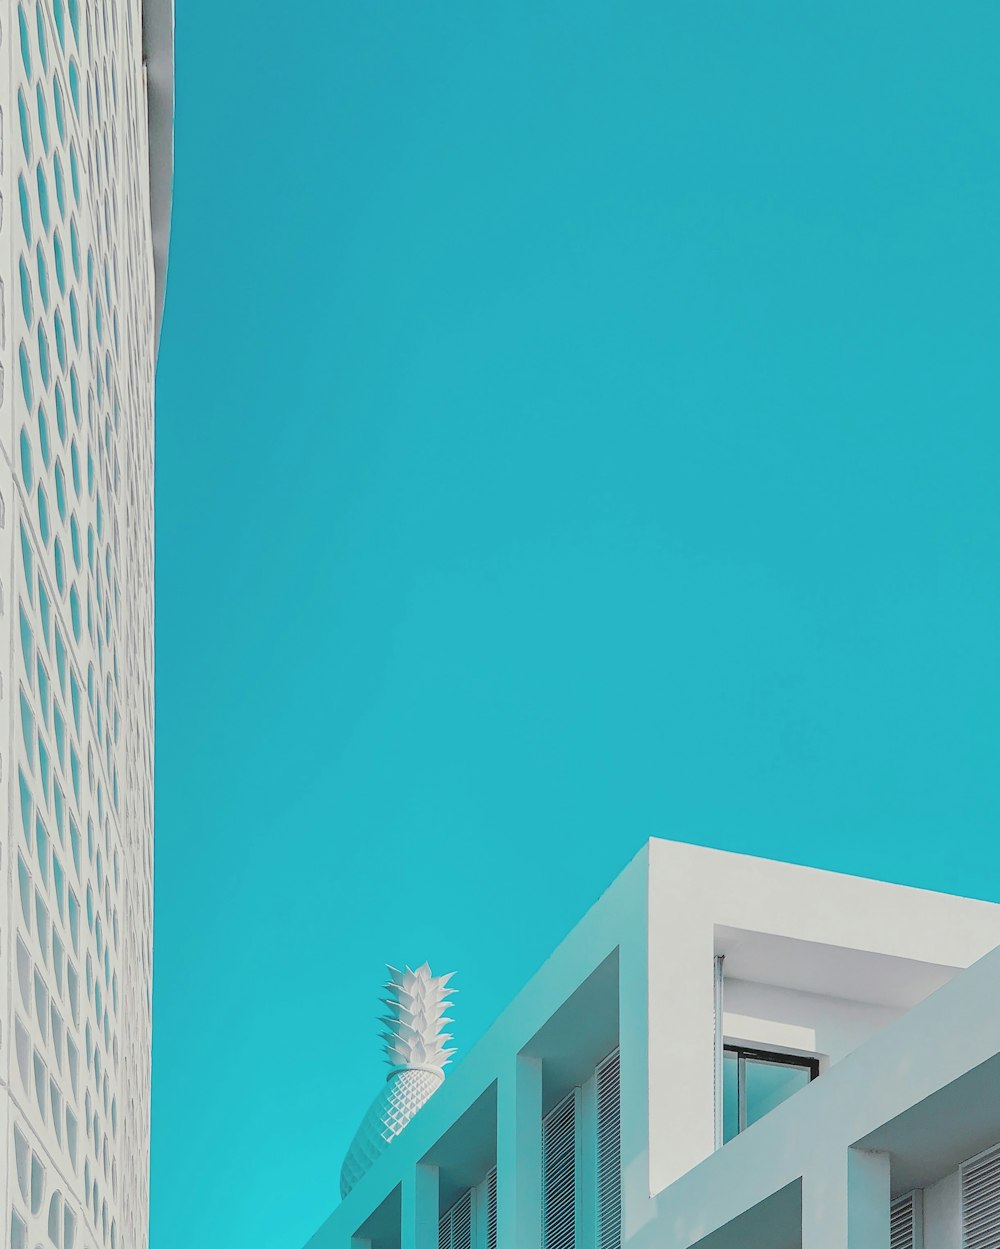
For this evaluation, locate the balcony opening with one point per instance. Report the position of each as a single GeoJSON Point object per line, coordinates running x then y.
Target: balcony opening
{"type": "Point", "coordinates": [755, 1081]}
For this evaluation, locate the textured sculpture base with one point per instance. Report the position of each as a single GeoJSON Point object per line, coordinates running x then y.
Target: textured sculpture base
{"type": "Point", "coordinates": [404, 1093]}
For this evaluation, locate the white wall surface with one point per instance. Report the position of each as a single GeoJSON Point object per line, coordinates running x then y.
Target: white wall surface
{"type": "Point", "coordinates": [943, 1213]}
{"type": "Point", "coordinates": [776, 1018]}
{"type": "Point", "coordinates": [813, 926]}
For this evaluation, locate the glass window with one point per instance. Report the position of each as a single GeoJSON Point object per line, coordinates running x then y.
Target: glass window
{"type": "Point", "coordinates": [755, 1081]}
{"type": "Point", "coordinates": [730, 1094]}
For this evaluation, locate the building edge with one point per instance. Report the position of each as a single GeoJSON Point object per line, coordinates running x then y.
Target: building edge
{"type": "Point", "coordinates": [158, 55]}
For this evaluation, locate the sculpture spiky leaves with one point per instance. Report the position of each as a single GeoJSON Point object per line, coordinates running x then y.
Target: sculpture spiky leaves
{"type": "Point", "coordinates": [416, 1049]}
{"type": "Point", "coordinates": [417, 1002]}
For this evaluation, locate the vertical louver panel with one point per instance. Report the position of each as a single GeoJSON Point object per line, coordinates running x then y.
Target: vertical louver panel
{"type": "Point", "coordinates": [981, 1201]}
{"type": "Point", "coordinates": [461, 1225]}
{"type": "Point", "coordinates": [491, 1210]}
{"type": "Point", "coordinates": [905, 1222]}
{"type": "Point", "coordinates": [455, 1227]}
{"type": "Point", "coordinates": [559, 1176]}
{"type": "Point", "coordinates": [609, 1155]}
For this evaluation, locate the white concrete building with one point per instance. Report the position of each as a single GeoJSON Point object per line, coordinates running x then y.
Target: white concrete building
{"type": "Point", "coordinates": [727, 1053]}
{"type": "Point", "coordinates": [85, 177]}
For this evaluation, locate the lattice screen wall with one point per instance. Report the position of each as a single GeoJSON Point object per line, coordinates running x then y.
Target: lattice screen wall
{"type": "Point", "coordinates": [76, 624]}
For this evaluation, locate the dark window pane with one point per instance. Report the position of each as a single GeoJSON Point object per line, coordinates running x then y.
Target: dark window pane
{"type": "Point", "coordinates": [730, 1096]}
{"type": "Point", "coordinates": [769, 1084]}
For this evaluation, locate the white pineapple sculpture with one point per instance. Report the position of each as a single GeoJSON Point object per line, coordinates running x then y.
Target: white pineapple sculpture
{"type": "Point", "coordinates": [415, 1049]}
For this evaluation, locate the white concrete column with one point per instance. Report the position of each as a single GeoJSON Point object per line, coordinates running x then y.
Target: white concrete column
{"type": "Point", "coordinates": [420, 1208]}
{"type": "Point", "coordinates": [868, 1199]}
{"type": "Point", "coordinates": [586, 1164]}
{"type": "Point", "coordinates": [845, 1201]}
{"type": "Point", "coordinates": [681, 1025]}
{"type": "Point", "coordinates": [633, 1048]}
{"type": "Point", "coordinates": [519, 1154]}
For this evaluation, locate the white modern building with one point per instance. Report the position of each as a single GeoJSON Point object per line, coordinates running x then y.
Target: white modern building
{"type": "Point", "coordinates": [726, 1053]}
{"type": "Point", "coordinates": [85, 176]}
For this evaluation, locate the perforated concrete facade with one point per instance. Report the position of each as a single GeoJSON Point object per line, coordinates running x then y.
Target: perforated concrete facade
{"type": "Point", "coordinates": [79, 308]}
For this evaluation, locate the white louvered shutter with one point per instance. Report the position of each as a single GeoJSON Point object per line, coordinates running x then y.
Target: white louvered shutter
{"type": "Point", "coordinates": [491, 1210]}
{"type": "Point", "coordinates": [906, 1221]}
{"type": "Point", "coordinates": [455, 1227]}
{"type": "Point", "coordinates": [609, 1154]}
{"type": "Point", "coordinates": [981, 1201]}
{"type": "Point", "coordinates": [559, 1176]}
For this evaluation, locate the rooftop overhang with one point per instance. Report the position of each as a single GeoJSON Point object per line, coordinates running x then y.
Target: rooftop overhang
{"type": "Point", "coordinates": [158, 55]}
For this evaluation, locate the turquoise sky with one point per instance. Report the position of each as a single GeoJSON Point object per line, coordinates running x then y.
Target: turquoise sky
{"type": "Point", "coordinates": [576, 422]}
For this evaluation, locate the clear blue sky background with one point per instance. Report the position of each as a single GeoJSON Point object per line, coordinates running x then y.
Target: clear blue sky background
{"type": "Point", "coordinates": [577, 421]}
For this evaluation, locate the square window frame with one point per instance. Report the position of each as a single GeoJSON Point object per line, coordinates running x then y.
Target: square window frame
{"type": "Point", "coordinates": [810, 1062]}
